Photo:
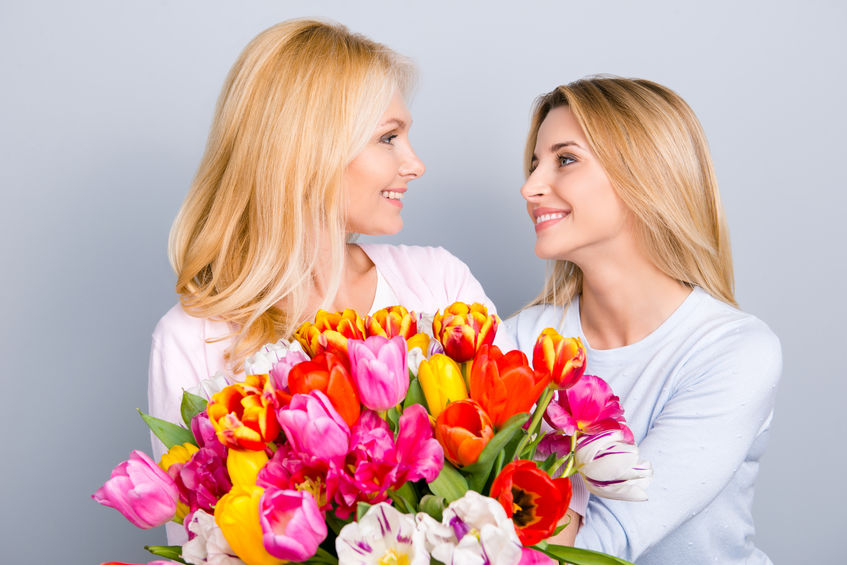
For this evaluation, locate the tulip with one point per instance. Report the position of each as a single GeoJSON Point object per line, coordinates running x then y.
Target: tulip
{"type": "Point", "coordinates": [419, 340]}
{"type": "Point", "coordinates": [237, 515]}
{"type": "Point", "coordinates": [474, 530]}
{"type": "Point", "coordinates": [207, 543]}
{"type": "Point", "coordinates": [382, 536]}
{"type": "Point", "coordinates": [205, 434]}
{"type": "Point", "coordinates": [141, 491]}
{"type": "Point", "coordinates": [420, 456]}
{"type": "Point", "coordinates": [204, 479]}
{"type": "Point", "coordinates": [563, 358]}
{"type": "Point", "coordinates": [273, 354]}
{"type": "Point", "coordinates": [379, 369]}
{"type": "Point", "coordinates": [330, 332]}
{"type": "Point", "coordinates": [172, 463]}
{"type": "Point", "coordinates": [611, 467]}
{"type": "Point", "coordinates": [442, 383]}
{"type": "Point", "coordinates": [533, 500]}
{"type": "Point", "coordinates": [463, 429]}
{"type": "Point", "coordinates": [244, 464]}
{"type": "Point", "coordinates": [504, 385]}
{"type": "Point", "coordinates": [531, 556]}
{"type": "Point", "coordinates": [328, 374]}
{"type": "Point", "coordinates": [463, 329]}
{"type": "Point", "coordinates": [314, 428]}
{"type": "Point", "coordinates": [243, 414]}
{"type": "Point", "coordinates": [588, 407]}
{"type": "Point", "coordinates": [292, 525]}
{"type": "Point", "coordinates": [391, 322]}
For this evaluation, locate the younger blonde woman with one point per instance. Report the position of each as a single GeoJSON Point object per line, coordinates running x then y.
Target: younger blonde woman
{"type": "Point", "coordinates": [309, 145]}
{"type": "Point", "coordinates": [622, 193]}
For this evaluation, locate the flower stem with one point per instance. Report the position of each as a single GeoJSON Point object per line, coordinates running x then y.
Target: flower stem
{"type": "Point", "coordinates": [536, 420]}
{"type": "Point", "coordinates": [569, 470]}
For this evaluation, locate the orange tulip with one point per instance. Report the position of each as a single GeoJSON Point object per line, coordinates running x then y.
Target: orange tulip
{"type": "Point", "coordinates": [330, 332]}
{"type": "Point", "coordinates": [391, 322]}
{"type": "Point", "coordinates": [504, 385]}
{"type": "Point", "coordinates": [244, 414]}
{"type": "Point", "coordinates": [328, 374]}
{"type": "Point", "coordinates": [563, 358]}
{"type": "Point", "coordinates": [463, 429]}
{"type": "Point", "coordinates": [463, 329]}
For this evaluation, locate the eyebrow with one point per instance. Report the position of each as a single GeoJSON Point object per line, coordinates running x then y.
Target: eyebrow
{"type": "Point", "coordinates": [396, 122]}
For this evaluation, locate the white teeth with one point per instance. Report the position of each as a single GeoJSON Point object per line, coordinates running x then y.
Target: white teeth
{"type": "Point", "coordinates": [545, 217]}
{"type": "Point", "coordinates": [392, 195]}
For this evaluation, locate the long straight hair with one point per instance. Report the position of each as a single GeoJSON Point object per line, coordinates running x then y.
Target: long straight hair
{"type": "Point", "coordinates": [300, 102]}
{"type": "Point", "coordinates": [654, 151]}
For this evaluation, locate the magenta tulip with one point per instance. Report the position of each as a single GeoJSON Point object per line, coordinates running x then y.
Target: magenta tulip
{"type": "Point", "coordinates": [380, 370]}
{"type": "Point", "coordinates": [587, 407]}
{"type": "Point", "coordinates": [420, 454]}
{"type": "Point", "coordinates": [314, 428]}
{"type": "Point", "coordinates": [204, 479]}
{"type": "Point", "coordinates": [205, 434]}
{"type": "Point", "coordinates": [292, 524]}
{"type": "Point", "coordinates": [141, 491]}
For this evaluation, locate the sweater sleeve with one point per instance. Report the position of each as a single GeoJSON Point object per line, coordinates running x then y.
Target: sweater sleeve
{"type": "Point", "coordinates": [720, 405]}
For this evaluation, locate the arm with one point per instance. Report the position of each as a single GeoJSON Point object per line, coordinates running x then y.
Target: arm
{"type": "Point", "coordinates": [721, 402]}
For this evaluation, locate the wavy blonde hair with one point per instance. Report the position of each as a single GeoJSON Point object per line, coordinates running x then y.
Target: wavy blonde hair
{"type": "Point", "coordinates": [301, 101]}
{"type": "Point", "coordinates": [654, 151]}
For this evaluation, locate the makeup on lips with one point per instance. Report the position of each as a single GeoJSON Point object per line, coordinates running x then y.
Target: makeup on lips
{"type": "Point", "coordinates": [546, 217]}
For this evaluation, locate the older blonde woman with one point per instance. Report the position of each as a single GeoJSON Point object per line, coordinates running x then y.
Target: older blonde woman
{"type": "Point", "coordinates": [622, 193]}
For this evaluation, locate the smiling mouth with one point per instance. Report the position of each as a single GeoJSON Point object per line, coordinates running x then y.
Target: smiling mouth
{"type": "Point", "coordinates": [548, 217]}
{"type": "Point", "coordinates": [392, 195]}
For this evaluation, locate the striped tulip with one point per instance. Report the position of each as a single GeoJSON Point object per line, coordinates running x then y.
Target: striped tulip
{"type": "Point", "coordinates": [462, 329]}
{"type": "Point", "coordinates": [563, 358]}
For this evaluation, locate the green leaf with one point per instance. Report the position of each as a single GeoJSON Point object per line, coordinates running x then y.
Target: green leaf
{"type": "Point", "coordinates": [335, 523]}
{"type": "Point", "coordinates": [169, 433]}
{"type": "Point", "coordinates": [322, 557]}
{"type": "Point", "coordinates": [433, 505]}
{"type": "Point", "coordinates": [172, 552]}
{"type": "Point", "coordinates": [414, 395]}
{"type": "Point", "coordinates": [362, 509]}
{"type": "Point", "coordinates": [190, 406]}
{"type": "Point", "coordinates": [478, 472]}
{"type": "Point", "coordinates": [449, 484]}
{"type": "Point", "coordinates": [393, 417]}
{"type": "Point", "coordinates": [407, 496]}
{"type": "Point", "coordinates": [578, 556]}
{"type": "Point", "coordinates": [547, 464]}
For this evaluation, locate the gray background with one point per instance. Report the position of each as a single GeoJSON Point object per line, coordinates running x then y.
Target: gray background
{"type": "Point", "coordinates": [105, 108]}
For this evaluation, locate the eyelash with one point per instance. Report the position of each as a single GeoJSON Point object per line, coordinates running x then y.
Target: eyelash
{"type": "Point", "coordinates": [559, 158]}
{"type": "Point", "coordinates": [388, 138]}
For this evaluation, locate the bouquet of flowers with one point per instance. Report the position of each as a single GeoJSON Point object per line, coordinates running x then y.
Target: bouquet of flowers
{"type": "Point", "coordinates": [367, 441]}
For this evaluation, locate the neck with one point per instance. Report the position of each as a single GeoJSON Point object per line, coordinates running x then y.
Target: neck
{"type": "Point", "coordinates": [357, 285]}
{"type": "Point", "coordinates": [625, 299]}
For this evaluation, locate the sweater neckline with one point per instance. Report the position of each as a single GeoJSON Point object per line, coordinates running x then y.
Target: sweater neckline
{"type": "Point", "coordinates": [682, 312]}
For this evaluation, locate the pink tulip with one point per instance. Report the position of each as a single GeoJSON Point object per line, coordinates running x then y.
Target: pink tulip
{"type": "Point", "coordinates": [292, 525]}
{"type": "Point", "coordinates": [204, 479]}
{"type": "Point", "coordinates": [380, 371]}
{"type": "Point", "coordinates": [588, 407]}
{"type": "Point", "coordinates": [205, 434]}
{"type": "Point", "coordinates": [420, 454]}
{"type": "Point", "coordinates": [530, 556]}
{"type": "Point", "coordinates": [314, 428]}
{"type": "Point", "coordinates": [141, 491]}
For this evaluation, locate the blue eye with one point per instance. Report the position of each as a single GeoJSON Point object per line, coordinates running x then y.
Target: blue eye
{"type": "Point", "coordinates": [388, 138]}
{"type": "Point", "coordinates": [565, 160]}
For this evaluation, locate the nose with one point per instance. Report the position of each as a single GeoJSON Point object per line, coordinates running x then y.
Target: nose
{"type": "Point", "coordinates": [412, 166]}
{"type": "Point", "coordinates": [534, 187]}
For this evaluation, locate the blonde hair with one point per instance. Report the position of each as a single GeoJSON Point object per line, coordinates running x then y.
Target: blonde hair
{"type": "Point", "coordinates": [300, 102]}
{"type": "Point", "coordinates": [654, 151]}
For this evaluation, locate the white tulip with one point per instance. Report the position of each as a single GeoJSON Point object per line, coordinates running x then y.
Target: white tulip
{"type": "Point", "coordinates": [611, 466]}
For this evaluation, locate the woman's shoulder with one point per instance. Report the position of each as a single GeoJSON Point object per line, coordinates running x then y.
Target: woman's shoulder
{"type": "Point", "coordinates": [422, 255]}
{"type": "Point", "coordinates": [525, 325]}
{"type": "Point", "coordinates": [179, 326]}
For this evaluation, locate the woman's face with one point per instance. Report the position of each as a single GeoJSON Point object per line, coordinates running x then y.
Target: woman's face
{"type": "Point", "coordinates": [375, 181]}
{"type": "Point", "coordinates": [576, 212]}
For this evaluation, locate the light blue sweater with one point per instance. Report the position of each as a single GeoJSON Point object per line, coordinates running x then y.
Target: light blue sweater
{"type": "Point", "coordinates": [698, 394]}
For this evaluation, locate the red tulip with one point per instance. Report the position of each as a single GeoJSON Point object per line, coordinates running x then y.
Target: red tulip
{"type": "Point", "coordinates": [392, 321]}
{"type": "Point", "coordinates": [463, 429]}
{"type": "Point", "coordinates": [244, 414]}
{"type": "Point", "coordinates": [504, 385]}
{"type": "Point", "coordinates": [330, 332]}
{"type": "Point", "coordinates": [463, 329]}
{"type": "Point", "coordinates": [533, 500]}
{"type": "Point", "coordinates": [563, 358]}
{"type": "Point", "coordinates": [328, 374]}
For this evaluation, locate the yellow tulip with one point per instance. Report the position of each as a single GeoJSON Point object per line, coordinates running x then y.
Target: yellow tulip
{"type": "Point", "coordinates": [237, 515]}
{"type": "Point", "coordinates": [442, 383]}
{"type": "Point", "coordinates": [244, 465]}
{"type": "Point", "coordinates": [418, 340]}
